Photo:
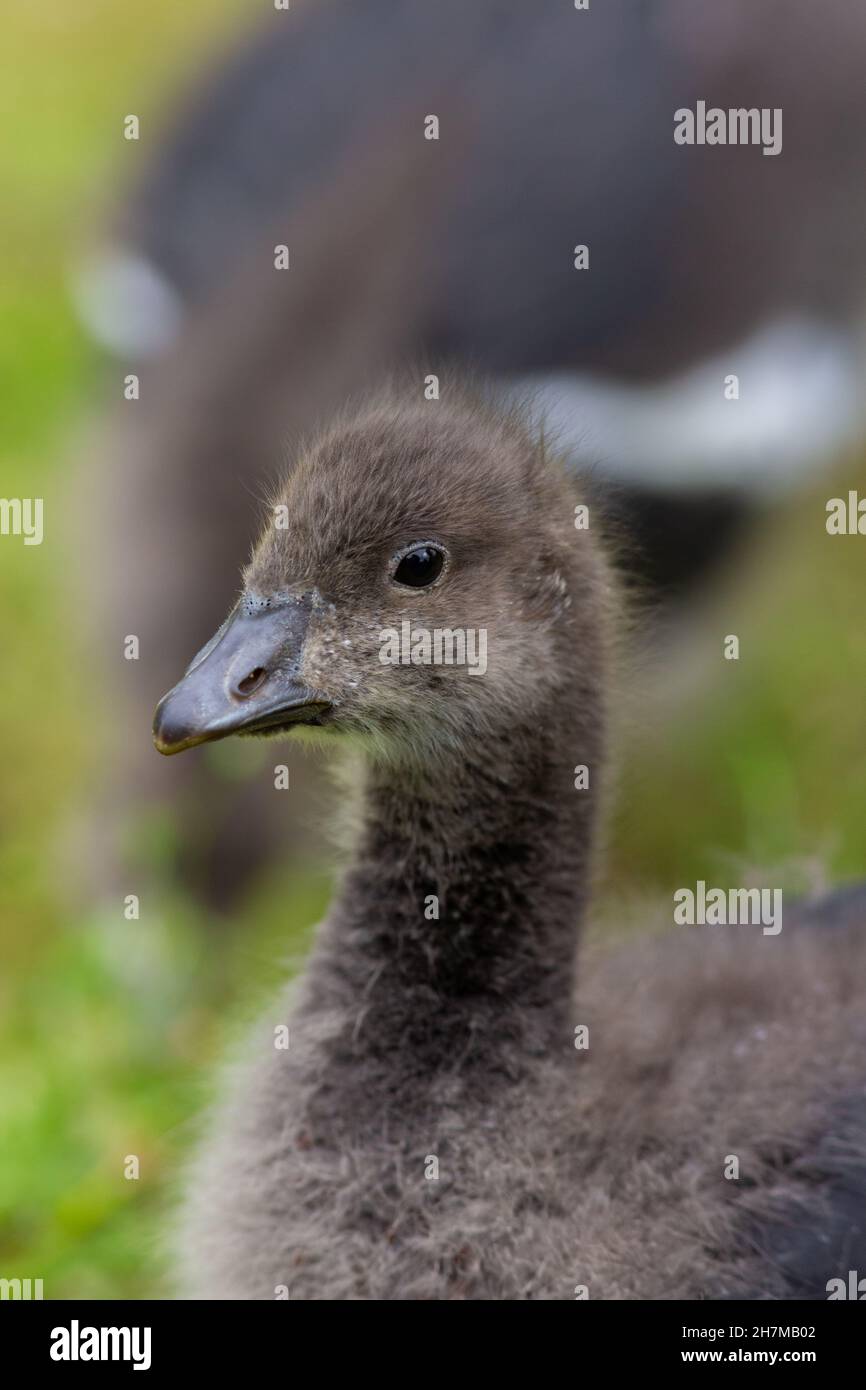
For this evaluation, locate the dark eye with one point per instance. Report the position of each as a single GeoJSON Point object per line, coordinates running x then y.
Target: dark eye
{"type": "Point", "coordinates": [420, 566]}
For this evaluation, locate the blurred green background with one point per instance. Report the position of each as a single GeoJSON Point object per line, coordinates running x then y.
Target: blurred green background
{"type": "Point", "coordinates": [108, 1028]}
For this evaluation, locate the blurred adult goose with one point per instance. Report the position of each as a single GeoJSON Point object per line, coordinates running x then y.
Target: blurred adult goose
{"type": "Point", "coordinates": [432, 1130]}
{"type": "Point", "coordinates": [556, 130]}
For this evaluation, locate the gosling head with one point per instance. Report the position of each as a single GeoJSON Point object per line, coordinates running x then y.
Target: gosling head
{"type": "Point", "coordinates": [420, 582]}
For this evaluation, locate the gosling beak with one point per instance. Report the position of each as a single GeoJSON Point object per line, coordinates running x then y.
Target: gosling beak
{"type": "Point", "coordinates": [245, 680]}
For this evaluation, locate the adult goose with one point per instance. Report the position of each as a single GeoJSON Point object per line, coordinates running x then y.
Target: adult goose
{"type": "Point", "coordinates": [556, 130]}
{"type": "Point", "coordinates": [431, 1130]}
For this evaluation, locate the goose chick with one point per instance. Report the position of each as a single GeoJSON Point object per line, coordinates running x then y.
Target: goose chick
{"type": "Point", "coordinates": [431, 1130]}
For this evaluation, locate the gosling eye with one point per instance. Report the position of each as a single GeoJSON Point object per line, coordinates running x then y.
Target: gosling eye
{"type": "Point", "coordinates": [419, 566]}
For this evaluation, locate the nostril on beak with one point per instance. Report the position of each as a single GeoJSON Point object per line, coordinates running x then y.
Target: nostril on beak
{"type": "Point", "coordinates": [250, 682]}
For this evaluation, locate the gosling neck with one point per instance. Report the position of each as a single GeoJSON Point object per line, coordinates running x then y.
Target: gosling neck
{"type": "Point", "coordinates": [459, 917]}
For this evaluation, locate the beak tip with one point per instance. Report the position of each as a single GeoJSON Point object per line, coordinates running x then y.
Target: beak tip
{"type": "Point", "coordinates": [167, 737]}
{"type": "Point", "coordinates": [206, 704]}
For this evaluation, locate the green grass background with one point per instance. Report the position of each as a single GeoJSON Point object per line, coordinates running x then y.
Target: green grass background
{"type": "Point", "coordinates": [107, 1028]}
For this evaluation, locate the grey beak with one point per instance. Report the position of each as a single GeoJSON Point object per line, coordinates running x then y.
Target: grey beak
{"type": "Point", "coordinates": [245, 680]}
